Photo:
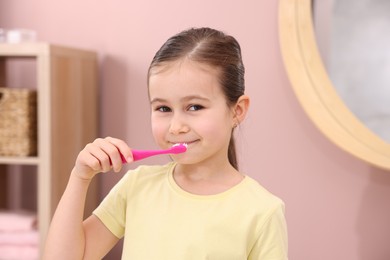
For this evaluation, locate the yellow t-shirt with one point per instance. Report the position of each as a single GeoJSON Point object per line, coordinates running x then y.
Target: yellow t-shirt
{"type": "Point", "coordinates": [159, 220]}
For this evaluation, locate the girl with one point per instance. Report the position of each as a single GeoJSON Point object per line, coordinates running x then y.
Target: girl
{"type": "Point", "coordinates": [199, 206]}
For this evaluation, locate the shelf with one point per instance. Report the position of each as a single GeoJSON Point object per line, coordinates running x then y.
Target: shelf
{"type": "Point", "coordinates": [19, 160]}
{"type": "Point", "coordinates": [23, 49]}
{"type": "Point", "coordinates": [66, 82]}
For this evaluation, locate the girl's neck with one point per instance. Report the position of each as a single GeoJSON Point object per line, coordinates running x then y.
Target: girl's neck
{"type": "Point", "coordinates": [206, 178]}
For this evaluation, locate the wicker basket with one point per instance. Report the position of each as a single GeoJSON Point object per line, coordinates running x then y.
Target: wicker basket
{"type": "Point", "coordinates": [18, 122]}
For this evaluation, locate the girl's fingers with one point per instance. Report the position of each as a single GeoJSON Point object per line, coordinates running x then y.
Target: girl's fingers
{"type": "Point", "coordinates": [124, 149]}
{"type": "Point", "coordinates": [108, 154]}
{"type": "Point", "coordinates": [102, 155]}
{"type": "Point", "coordinates": [87, 165]}
{"type": "Point", "coordinates": [97, 154]}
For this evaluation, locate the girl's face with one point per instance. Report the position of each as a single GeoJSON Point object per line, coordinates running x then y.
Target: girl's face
{"type": "Point", "coordinates": [188, 106]}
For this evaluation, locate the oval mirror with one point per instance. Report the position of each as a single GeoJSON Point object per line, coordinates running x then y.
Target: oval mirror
{"type": "Point", "coordinates": [315, 90]}
{"type": "Point", "coordinates": [353, 39]}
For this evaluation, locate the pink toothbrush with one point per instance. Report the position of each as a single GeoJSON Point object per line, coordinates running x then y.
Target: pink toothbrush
{"type": "Point", "coordinates": [142, 154]}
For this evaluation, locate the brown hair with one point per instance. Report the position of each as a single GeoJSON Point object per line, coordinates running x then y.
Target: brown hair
{"type": "Point", "coordinates": [214, 48]}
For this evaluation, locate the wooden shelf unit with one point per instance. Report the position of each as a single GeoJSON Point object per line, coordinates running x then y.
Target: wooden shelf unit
{"type": "Point", "coordinates": [67, 119]}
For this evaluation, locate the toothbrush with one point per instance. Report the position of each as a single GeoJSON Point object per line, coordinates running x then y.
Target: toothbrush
{"type": "Point", "coordinates": [142, 154]}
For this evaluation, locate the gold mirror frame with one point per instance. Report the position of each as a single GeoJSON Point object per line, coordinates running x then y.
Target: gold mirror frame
{"type": "Point", "coordinates": [315, 91]}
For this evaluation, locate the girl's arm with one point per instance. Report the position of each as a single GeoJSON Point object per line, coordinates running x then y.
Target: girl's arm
{"type": "Point", "coordinates": [69, 236]}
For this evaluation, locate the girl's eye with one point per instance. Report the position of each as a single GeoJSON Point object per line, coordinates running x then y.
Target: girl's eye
{"type": "Point", "coordinates": [163, 109]}
{"type": "Point", "coordinates": [195, 107]}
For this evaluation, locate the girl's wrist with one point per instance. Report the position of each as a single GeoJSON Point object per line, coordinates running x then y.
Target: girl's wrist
{"type": "Point", "coordinates": [80, 176]}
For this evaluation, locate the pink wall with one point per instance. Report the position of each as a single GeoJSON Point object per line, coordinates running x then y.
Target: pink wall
{"type": "Point", "coordinates": [337, 206]}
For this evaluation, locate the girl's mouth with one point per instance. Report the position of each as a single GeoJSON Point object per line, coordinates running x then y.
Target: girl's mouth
{"type": "Point", "coordinates": [184, 142]}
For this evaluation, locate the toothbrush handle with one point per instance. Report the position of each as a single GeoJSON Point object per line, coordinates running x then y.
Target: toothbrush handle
{"type": "Point", "coordinates": [142, 154]}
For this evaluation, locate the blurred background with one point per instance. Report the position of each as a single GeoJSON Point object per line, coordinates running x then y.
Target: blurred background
{"type": "Point", "coordinates": [337, 207]}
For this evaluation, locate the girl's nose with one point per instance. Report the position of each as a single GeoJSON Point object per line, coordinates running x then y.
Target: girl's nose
{"type": "Point", "coordinates": [178, 125]}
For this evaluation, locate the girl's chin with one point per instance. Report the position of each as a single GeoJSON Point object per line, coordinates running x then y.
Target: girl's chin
{"type": "Point", "coordinates": [186, 160]}
{"type": "Point", "coordinates": [182, 158]}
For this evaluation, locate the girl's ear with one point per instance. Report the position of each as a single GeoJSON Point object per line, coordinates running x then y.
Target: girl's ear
{"type": "Point", "coordinates": [240, 109]}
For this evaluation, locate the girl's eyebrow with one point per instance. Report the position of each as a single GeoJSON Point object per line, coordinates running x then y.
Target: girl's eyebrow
{"type": "Point", "coordinates": [197, 97]}
{"type": "Point", "coordinates": [157, 100]}
{"type": "Point", "coordinates": [186, 98]}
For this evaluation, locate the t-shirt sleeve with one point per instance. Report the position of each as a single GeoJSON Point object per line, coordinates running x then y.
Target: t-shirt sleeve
{"type": "Point", "coordinates": [272, 242]}
{"type": "Point", "coordinates": [112, 210]}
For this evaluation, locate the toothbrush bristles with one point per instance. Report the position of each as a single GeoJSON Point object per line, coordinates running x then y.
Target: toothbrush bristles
{"type": "Point", "coordinates": [180, 147]}
{"type": "Point", "coordinates": [180, 144]}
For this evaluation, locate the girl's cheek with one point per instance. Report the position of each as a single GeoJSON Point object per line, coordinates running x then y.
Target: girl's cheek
{"type": "Point", "coordinates": [159, 130]}
{"type": "Point", "coordinates": [216, 129]}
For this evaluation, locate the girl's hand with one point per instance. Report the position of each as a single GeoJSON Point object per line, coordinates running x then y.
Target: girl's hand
{"type": "Point", "coordinates": [101, 155]}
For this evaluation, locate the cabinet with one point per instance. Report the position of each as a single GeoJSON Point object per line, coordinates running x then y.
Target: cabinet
{"type": "Point", "coordinates": [66, 84]}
